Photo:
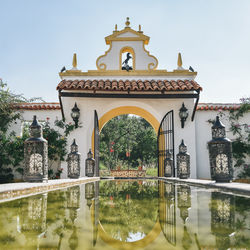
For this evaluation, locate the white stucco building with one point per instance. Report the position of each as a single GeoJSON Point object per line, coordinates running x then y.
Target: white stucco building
{"type": "Point", "coordinates": [135, 86]}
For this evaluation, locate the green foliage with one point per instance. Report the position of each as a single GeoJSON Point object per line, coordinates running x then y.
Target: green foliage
{"type": "Point", "coordinates": [12, 146]}
{"type": "Point", "coordinates": [241, 145]}
{"type": "Point", "coordinates": [128, 142]}
{"type": "Point", "coordinates": [128, 207]}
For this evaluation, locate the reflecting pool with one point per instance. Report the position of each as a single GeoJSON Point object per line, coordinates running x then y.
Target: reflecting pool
{"type": "Point", "coordinates": [127, 214]}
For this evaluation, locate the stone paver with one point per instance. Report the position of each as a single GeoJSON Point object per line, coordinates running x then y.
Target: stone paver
{"type": "Point", "coordinates": [240, 188]}
{"type": "Point", "coordinates": [12, 191]}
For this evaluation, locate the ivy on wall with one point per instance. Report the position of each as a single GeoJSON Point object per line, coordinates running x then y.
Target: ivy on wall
{"type": "Point", "coordinates": [241, 132]}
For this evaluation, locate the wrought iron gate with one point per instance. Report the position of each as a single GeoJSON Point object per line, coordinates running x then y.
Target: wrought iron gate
{"type": "Point", "coordinates": [165, 144]}
{"type": "Point", "coordinates": [96, 143]}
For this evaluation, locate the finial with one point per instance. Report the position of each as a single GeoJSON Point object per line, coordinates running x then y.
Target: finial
{"type": "Point", "coordinates": [74, 64]}
{"type": "Point", "coordinates": [179, 63]}
{"type": "Point", "coordinates": [116, 27]}
{"type": "Point", "coordinates": [127, 23]}
{"type": "Point", "coordinates": [140, 28]}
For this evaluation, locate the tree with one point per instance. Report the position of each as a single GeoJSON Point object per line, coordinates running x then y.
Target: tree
{"type": "Point", "coordinates": [128, 141]}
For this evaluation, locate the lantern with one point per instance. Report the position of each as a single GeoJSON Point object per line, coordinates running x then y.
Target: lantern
{"type": "Point", "coordinates": [32, 218]}
{"type": "Point", "coordinates": [220, 154]}
{"type": "Point", "coordinates": [184, 200]}
{"type": "Point", "coordinates": [168, 164]}
{"type": "Point", "coordinates": [183, 113]}
{"type": "Point", "coordinates": [74, 161]}
{"type": "Point", "coordinates": [183, 162]}
{"type": "Point", "coordinates": [73, 201]}
{"type": "Point", "coordinates": [36, 154]}
{"type": "Point", "coordinates": [90, 165]}
{"type": "Point", "coordinates": [222, 218]}
{"type": "Point", "coordinates": [75, 114]}
{"type": "Point", "coordinates": [89, 192]}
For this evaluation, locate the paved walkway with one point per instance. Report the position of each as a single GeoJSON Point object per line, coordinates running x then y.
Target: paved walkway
{"type": "Point", "coordinates": [236, 187]}
{"type": "Point", "coordinates": [12, 191]}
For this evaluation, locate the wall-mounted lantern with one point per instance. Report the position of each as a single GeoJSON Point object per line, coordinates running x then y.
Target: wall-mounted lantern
{"type": "Point", "coordinates": [74, 161]}
{"type": "Point", "coordinates": [220, 153]}
{"type": "Point", "coordinates": [36, 154]}
{"type": "Point", "coordinates": [183, 113]}
{"type": "Point", "coordinates": [75, 114]}
{"type": "Point", "coordinates": [168, 164]}
{"type": "Point", "coordinates": [90, 165]}
{"type": "Point", "coordinates": [183, 162]}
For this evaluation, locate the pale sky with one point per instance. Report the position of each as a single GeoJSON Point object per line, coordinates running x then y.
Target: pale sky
{"type": "Point", "coordinates": [39, 37]}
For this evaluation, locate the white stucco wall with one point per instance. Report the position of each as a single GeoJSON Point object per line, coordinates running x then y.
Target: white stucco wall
{"type": "Point", "coordinates": [158, 108]}
{"type": "Point", "coordinates": [195, 134]}
{"type": "Point", "coordinates": [112, 58]}
{"type": "Point", "coordinates": [204, 134]}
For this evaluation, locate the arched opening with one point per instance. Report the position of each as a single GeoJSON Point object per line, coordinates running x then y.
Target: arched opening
{"type": "Point", "coordinates": [128, 147]}
{"type": "Point", "coordinates": [125, 110]}
{"type": "Point", "coordinates": [127, 59]}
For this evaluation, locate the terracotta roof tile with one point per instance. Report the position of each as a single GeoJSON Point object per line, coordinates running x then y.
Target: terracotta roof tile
{"type": "Point", "coordinates": [129, 85]}
{"type": "Point", "coordinates": [217, 106]}
{"type": "Point", "coordinates": [38, 106]}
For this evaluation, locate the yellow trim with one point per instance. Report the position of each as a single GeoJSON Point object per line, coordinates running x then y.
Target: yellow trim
{"type": "Point", "coordinates": [114, 37]}
{"type": "Point", "coordinates": [131, 51]}
{"type": "Point", "coordinates": [179, 62]}
{"type": "Point", "coordinates": [123, 110]}
{"type": "Point", "coordinates": [102, 66]}
{"type": "Point", "coordinates": [74, 63]}
{"type": "Point", "coordinates": [150, 237]}
{"type": "Point", "coordinates": [151, 64]}
{"type": "Point", "coordinates": [103, 72]}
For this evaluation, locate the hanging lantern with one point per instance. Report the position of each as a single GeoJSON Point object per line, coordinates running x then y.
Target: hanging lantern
{"type": "Point", "coordinates": [183, 113]}
{"type": "Point", "coordinates": [36, 154]}
{"type": "Point", "coordinates": [183, 162]}
{"type": "Point", "coordinates": [75, 114]}
{"type": "Point", "coordinates": [89, 192]}
{"type": "Point", "coordinates": [168, 163]}
{"type": "Point", "coordinates": [222, 218]}
{"type": "Point", "coordinates": [220, 154]}
{"type": "Point", "coordinates": [90, 165]}
{"type": "Point", "coordinates": [184, 201]}
{"type": "Point", "coordinates": [74, 161]}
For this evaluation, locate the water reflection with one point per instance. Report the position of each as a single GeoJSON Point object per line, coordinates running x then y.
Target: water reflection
{"type": "Point", "coordinates": [222, 218]}
{"type": "Point", "coordinates": [126, 215]}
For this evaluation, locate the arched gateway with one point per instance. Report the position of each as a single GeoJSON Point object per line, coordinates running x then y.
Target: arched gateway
{"type": "Point", "coordinates": [127, 81]}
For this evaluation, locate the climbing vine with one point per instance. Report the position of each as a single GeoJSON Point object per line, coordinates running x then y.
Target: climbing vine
{"type": "Point", "coordinates": [241, 132]}
{"type": "Point", "coordinates": [241, 144]}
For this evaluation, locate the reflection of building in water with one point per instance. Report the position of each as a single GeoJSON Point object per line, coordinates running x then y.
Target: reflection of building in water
{"type": "Point", "coordinates": [184, 201]}
{"type": "Point", "coordinates": [73, 204]}
{"type": "Point", "coordinates": [167, 212]}
{"type": "Point", "coordinates": [32, 219]}
{"type": "Point", "coordinates": [89, 193]}
{"type": "Point", "coordinates": [92, 197]}
{"type": "Point", "coordinates": [222, 218]}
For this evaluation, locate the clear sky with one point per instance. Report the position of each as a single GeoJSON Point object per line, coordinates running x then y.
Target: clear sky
{"type": "Point", "coordinates": [39, 37]}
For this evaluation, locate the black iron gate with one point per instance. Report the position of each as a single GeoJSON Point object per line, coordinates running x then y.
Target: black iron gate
{"type": "Point", "coordinates": [96, 143]}
{"type": "Point", "coordinates": [165, 144]}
